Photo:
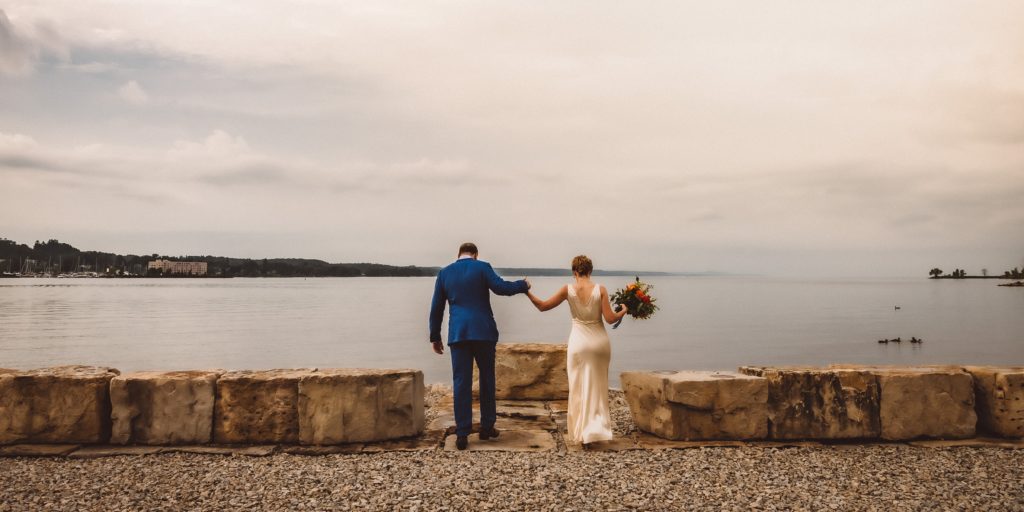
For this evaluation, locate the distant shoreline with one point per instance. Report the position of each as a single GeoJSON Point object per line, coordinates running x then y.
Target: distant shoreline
{"type": "Point", "coordinates": [971, 277]}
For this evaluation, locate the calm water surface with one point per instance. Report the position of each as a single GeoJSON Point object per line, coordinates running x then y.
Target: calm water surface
{"type": "Point", "coordinates": [704, 323]}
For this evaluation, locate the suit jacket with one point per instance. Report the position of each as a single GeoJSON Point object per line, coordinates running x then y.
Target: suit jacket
{"type": "Point", "coordinates": [466, 286]}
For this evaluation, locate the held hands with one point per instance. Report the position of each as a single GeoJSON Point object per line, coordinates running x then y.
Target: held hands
{"type": "Point", "coordinates": [528, 283]}
{"type": "Point", "coordinates": [438, 347]}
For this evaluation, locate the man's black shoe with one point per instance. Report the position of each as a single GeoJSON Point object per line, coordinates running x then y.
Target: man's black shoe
{"type": "Point", "coordinates": [461, 442]}
{"type": "Point", "coordinates": [486, 434]}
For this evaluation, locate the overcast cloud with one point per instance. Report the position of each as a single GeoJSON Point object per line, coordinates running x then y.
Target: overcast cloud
{"type": "Point", "coordinates": [848, 138]}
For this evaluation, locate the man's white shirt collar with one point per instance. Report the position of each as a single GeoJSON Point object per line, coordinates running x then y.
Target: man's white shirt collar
{"type": "Point", "coordinates": [466, 256]}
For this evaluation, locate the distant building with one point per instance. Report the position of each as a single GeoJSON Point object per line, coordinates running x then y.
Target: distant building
{"type": "Point", "coordinates": [195, 268]}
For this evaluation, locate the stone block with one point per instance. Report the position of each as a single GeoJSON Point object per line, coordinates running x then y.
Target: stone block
{"type": "Point", "coordinates": [999, 399]}
{"type": "Point", "coordinates": [820, 403]}
{"type": "Point", "coordinates": [254, 407]}
{"type": "Point", "coordinates": [923, 402]}
{"type": "Point", "coordinates": [530, 371]}
{"type": "Point", "coordinates": [65, 404]}
{"type": "Point", "coordinates": [355, 405]}
{"type": "Point", "coordinates": [928, 403]}
{"type": "Point", "coordinates": [698, 405]}
{"type": "Point", "coordinates": [163, 408]}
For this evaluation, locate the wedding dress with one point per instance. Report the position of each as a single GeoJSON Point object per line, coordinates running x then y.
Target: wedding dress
{"type": "Point", "coordinates": [589, 353]}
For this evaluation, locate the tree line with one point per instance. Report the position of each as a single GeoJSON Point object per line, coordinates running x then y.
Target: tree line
{"type": "Point", "coordinates": [55, 257]}
{"type": "Point", "coordinates": [938, 273]}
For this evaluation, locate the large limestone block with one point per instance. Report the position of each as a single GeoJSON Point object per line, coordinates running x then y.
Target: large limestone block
{"type": "Point", "coordinates": [163, 408]}
{"type": "Point", "coordinates": [926, 401]}
{"type": "Point", "coordinates": [258, 406]}
{"type": "Point", "coordinates": [918, 402]}
{"type": "Point", "coordinates": [530, 371]}
{"type": "Point", "coordinates": [999, 395]}
{"type": "Point", "coordinates": [65, 404]}
{"type": "Point", "coordinates": [698, 405]}
{"type": "Point", "coordinates": [820, 403]}
{"type": "Point", "coordinates": [356, 405]}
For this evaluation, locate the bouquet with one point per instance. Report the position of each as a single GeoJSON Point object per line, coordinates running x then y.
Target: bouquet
{"type": "Point", "coordinates": [637, 297]}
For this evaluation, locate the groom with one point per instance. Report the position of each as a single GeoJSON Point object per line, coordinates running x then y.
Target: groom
{"type": "Point", "coordinates": [472, 334]}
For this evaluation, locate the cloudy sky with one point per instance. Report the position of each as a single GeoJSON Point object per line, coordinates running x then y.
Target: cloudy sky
{"type": "Point", "coordinates": [846, 138]}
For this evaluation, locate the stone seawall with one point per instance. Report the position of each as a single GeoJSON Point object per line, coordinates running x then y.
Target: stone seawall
{"type": "Point", "coordinates": [317, 407]}
{"type": "Point", "coordinates": [837, 402]}
{"type": "Point", "coordinates": [90, 405]}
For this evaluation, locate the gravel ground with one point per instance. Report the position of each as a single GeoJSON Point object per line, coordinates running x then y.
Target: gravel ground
{"type": "Point", "coordinates": [893, 477]}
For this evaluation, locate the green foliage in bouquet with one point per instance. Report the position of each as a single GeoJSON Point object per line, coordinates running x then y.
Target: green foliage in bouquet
{"type": "Point", "coordinates": [637, 297]}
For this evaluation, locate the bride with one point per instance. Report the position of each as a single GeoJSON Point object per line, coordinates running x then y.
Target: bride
{"type": "Point", "coordinates": [589, 352]}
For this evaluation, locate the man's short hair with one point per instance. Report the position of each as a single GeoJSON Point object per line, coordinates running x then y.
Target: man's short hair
{"type": "Point", "coordinates": [468, 248]}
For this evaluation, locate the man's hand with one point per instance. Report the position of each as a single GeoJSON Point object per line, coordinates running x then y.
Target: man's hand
{"type": "Point", "coordinates": [438, 347]}
{"type": "Point", "coordinates": [528, 284]}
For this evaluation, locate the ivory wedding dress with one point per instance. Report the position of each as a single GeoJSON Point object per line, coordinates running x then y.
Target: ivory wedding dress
{"type": "Point", "coordinates": [589, 353]}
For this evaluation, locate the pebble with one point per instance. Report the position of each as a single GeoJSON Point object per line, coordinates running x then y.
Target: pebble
{"type": "Point", "coordinates": [896, 477]}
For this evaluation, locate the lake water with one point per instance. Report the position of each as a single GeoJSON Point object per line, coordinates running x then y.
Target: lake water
{"type": "Point", "coordinates": [704, 323]}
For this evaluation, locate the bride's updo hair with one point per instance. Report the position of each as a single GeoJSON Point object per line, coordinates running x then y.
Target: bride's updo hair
{"type": "Point", "coordinates": [582, 265]}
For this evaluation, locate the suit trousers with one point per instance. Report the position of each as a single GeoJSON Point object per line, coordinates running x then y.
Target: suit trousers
{"type": "Point", "coordinates": [463, 355]}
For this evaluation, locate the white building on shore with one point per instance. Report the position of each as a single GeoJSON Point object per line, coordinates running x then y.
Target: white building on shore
{"type": "Point", "coordinates": [195, 268]}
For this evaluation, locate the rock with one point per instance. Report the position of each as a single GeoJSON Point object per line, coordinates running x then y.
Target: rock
{"type": "Point", "coordinates": [446, 421]}
{"type": "Point", "coordinates": [923, 402]}
{"type": "Point", "coordinates": [322, 450]}
{"type": "Point", "coordinates": [254, 407]}
{"type": "Point", "coordinates": [653, 442]}
{"type": "Point", "coordinates": [974, 442]}
{"type": "Point", "coordinates": [510, 441]}
{"type": "Point", "coordinates": [64, 404]}
{"type": "Point", "coordinates": [160, 408]}
{"type": "Point", "coordinates": [522, 409]}
{"type": "Point", "coordinates": [820, 403]}
{"type": "Point", "coordinates": [429, 441]}
{"type": "Point", "coordinates": [617, 444]}
{"type": "Point", "coordinates": [348, 405]}
{"type": "Point", "coordinates": [250, 451]}
{"type": "Point", "coordinates": [529, 371]}
{"type": "Point", "coordinates": [96, 452]}
{"type": "Point", "coordinates": [693, 405]}
{"type": "Point", "coordinates": [999, 394]}
{"type": "Point", "coordinates": [37, 450]}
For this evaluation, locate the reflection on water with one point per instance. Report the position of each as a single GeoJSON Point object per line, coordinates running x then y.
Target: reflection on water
{"type": "Point", "coordinates": [704, 323]}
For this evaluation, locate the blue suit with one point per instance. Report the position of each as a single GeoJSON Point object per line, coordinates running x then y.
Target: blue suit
{"type": "Point", "coordinates": [466, 286]}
